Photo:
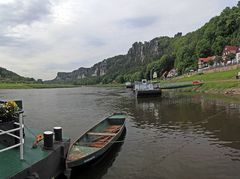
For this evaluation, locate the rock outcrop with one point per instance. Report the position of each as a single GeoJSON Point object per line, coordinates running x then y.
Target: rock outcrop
{"type": "Point", "coordinates": [139, 54]}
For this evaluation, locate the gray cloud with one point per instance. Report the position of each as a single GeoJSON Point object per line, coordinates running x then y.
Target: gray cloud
{"type": "Point", "coordinates": [19, 13]}
{"type": "Point", "coordinates": [24, 12]}
{"type": "Point", "coordinates": [38, 38]}
{"type": "Point", "coordinates": [139, 22]}
{"type": "Point", "coordinates": [8, 41]}
{"type": "Point", "coordinates": [95, 41]}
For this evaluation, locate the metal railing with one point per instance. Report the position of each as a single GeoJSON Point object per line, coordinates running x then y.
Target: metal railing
{"type": "Point", "coordinates": [20, 137]}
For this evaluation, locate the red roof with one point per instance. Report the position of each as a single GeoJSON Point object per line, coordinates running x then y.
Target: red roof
{"type": "Point", "coordinates": [206, 59]}
{"type": "Point", "coordinates": [230, 48]}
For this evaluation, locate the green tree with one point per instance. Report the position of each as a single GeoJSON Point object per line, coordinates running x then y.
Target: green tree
{"type": "Point", "coordinates": [120, 79]}
{"type": "Point", "coordinates": [210, 63]}
{"type": "Point", "coordinates": [218, 45]}
{"type": "Point", "coordinates": [203, 48]}
{"type": "Point", "coordinates": [230, 57]}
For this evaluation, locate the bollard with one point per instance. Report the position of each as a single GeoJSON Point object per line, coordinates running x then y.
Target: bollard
{"type": "Point", "coordinates": [48, 140]}
{"type": "Point", "coordinates": [58, 133]}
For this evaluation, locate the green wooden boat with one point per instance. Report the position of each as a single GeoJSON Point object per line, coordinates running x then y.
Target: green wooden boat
{"type": "Point", "coordinates": [96, 141]}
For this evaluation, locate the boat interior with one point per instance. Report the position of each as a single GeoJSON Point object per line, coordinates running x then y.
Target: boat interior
{"type": "Point", "coordinates": [96, 138]}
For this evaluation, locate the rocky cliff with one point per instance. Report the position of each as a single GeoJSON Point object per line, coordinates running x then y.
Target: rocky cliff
{"type": "Point", "coordinates": [138, 55]}
{"type": "Point", "coordinates": [98, 69]}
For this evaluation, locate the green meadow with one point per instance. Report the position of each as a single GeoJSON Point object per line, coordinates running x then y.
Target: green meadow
{"type": "Point", "coordinates": [216, 82]}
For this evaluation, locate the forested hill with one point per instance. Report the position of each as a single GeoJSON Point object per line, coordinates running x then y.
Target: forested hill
{"type": "Point", "coordinates": [163, 53]}
{"type": "Point", "coordinates": [9, 76]}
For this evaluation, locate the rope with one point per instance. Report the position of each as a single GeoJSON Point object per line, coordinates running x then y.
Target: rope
{"type": "Point", "coordinates": [214, 115]}
{"type": "Point", "coordinates": [188, 142]}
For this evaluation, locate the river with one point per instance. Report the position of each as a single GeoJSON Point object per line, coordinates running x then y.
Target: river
{"type": "Point", "coordinates": [175, 136]}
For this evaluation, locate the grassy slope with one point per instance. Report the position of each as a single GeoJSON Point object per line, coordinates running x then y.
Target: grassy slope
{"type": "Point", "coordinates": [217, 82]}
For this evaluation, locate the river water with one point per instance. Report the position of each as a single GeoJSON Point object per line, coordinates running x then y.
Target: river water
{"type": "Point", "coordinates": [176, 136]}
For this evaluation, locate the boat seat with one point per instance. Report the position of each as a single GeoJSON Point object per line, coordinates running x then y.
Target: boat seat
{"type": "Point", "coordinates": [113, 128]}
{"type": "Point", "coordinates": [101, 134]}
{"type": "Point", "coordinates": [101, 143]}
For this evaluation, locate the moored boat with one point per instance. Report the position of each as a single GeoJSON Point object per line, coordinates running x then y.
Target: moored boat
{"type": "Point", "coordinates": [96, 141]}
{"type": "Point", "coordinates": [25, 153]}
{"type": "Point", "coordinates": [146, 89]}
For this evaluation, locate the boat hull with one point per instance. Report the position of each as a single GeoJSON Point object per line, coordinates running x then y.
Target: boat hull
{"type": "Point", "coordinates": [98, 151]}
{"type": "Point", "coordinates": [50, 167]}
{"type": "Point", "coordinates": [148, 93]}
{"type": "Point", "coordinates": [93, 157]}
{"type": "Point", "coordinates": [37, 161]}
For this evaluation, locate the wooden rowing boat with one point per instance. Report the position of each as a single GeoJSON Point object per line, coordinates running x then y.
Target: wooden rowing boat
{"type": "Point", "coordinates": [96, 141]}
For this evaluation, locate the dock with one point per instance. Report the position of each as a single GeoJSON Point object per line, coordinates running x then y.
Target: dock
{"type": "Point", "coordinates": [37, 161]}
{"type": "Point", "coordinates": [29, 153]}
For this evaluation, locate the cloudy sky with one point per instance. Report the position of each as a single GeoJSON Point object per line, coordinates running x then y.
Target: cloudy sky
{"type": "Point", "coordinates": [39, 38]}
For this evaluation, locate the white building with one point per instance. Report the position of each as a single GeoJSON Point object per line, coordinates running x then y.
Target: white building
{"type": "Point", "coordinates": [238, 55]}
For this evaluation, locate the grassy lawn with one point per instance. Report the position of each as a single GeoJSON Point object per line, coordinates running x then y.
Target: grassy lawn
{"type": "Point", "coordinates": [219, 86]}
{"type": "Point", "coordinates": [216, 82]}
{"type": "Point", "coordinates": [225, 75]}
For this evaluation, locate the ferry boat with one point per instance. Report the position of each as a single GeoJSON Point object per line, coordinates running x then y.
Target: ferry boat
{"type": "Point", "coordinates": [24, 155]}
{"type": "Point", "coordinates": [146, 89]}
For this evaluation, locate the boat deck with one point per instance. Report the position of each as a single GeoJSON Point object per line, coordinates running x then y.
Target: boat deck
{"type": "Point", "coordinates": [10, 163]}
{"type": "Point", "coordinates": [81, 151]}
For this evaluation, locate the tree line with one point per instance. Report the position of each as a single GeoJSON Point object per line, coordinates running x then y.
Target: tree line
{"type": "Point", "coordinates": [180, 52]}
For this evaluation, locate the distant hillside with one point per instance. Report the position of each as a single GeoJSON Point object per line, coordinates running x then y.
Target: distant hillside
{"type": "Point", "coordinates": [9, 76]}
{"type": "Point", "coordinates": [163, 53]}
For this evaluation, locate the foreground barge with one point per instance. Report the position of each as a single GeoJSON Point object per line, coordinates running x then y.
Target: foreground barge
{"type": "Point", "coordinates": [20, 160]}
{"type": "Point", "coordinates": [37, 162]}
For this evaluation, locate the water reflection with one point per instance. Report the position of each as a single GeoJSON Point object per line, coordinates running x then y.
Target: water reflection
{"type": "Point", "coordinates": [176, 136]}
{"type": "Point", "coordinates": [217, 120]}
{"type": "Point", "coordinates": [100, 167]}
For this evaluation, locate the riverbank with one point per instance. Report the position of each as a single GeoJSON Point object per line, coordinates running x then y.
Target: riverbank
{"type": "Point", "coordinates": [32, 86]}
{"type": "Point", "coordinates": [222, 82]}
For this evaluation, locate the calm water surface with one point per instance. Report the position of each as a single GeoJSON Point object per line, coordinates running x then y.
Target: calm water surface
{"type": "Point", "coordinates": [175, 136]}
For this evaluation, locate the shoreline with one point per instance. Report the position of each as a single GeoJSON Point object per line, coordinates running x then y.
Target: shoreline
{"type": "Point", "coordinates": [220, 82]}
{"type": "Point", "coordinates": [35, 86]}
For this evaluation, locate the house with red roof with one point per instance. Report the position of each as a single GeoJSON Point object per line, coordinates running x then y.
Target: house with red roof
{"type": "Point", "coordinates": [228, 50]}
{"type": "Point", "coordinates": [204, 62]}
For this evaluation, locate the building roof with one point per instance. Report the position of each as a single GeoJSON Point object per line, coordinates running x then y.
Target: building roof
{"type": "Point", "coordinates": [206, 59]}
{"type": "Point", "coordinates": [232, 49]}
